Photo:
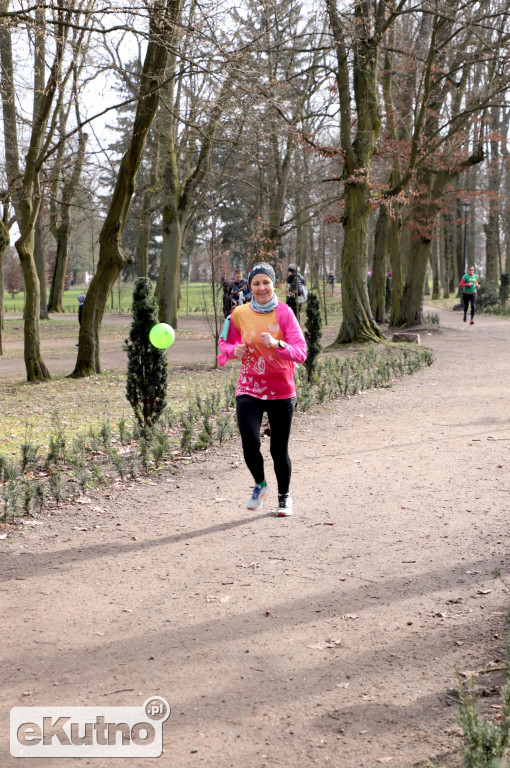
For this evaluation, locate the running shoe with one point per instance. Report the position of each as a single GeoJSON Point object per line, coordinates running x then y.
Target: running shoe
{"type": "Point", "coordinates": [257, 498]}
{"type": "Point", "coordinates": [284, 505]}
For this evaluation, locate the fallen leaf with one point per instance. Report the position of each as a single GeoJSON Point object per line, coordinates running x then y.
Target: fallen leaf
{"type": "Point", "coordinates": [342, 685]}
{"type": "Point", "coordinates": [349, 616]}
{"type": "Point", "coordinates": [383, 759]}
{"type": "Point", "coordinates": [484, 591]}
{"type": "Point", "coordinates": [127, 610]}
{"type": "Point", "coordinates": [225, 599]}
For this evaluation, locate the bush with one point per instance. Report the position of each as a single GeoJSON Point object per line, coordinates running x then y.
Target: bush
{"type": "Point", "coordinates": [487, 295]}
{"type": "Point", "coordinates": [313, 334]}
{"type": "Point", "coordinates": [147, 366]}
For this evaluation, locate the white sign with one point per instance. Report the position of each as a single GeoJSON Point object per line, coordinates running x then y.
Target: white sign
{"type": "Point", "coordinates": [89, 731]}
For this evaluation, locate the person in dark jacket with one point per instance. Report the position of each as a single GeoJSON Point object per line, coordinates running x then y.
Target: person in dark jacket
{"type": "Point", "coordinates": [81, 302]}
{"type": "Point", "coordinates": [240, 288]}
{"type": "Point", "coordinates": [295, 291]}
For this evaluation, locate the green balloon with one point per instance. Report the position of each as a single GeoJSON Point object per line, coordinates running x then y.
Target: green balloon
{"type": "Point", "coordinates": [162, 336]}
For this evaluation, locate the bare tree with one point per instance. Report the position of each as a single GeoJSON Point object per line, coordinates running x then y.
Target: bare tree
{"type": "Point", "coordinates": [164, 17]}
{"type": "Point", "coordinates": [24, 178]}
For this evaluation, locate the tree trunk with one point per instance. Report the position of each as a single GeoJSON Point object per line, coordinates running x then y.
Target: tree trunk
{"type": "Point", "coordinates": [377, 290]}
{"type": "Point", "coordinates": [491, 228]}
{"type": "Point", "coordinates": [167, 289]}
{"type": "Point", "coordinates": [61, 264]}
{"type": "Point", "coordinates": [4, 242]}
{"type": "Point", "coordinates": [443, 260]}
{"type": "Point", "coordinates": [147, 203]}
{"type": "Point", "coordinates": [145, 228]}
{"type": "Point", "coordinates": [62, 231]}
{"type": "Point", "coordinates": [491, 272]}
{"type": "Point", "coordinates": [178, 199]}
{"type": "Point", "coordinates": [40, 265]}
{"type": "Point", "coordinates": [411, 305]}
{"type": "Point", "coordinates": [434, 263]}
{"type": "Point", "coordinates": [112, 258]}
{"type": "Point", "coordinates": [36, 369]}
{"type": "Point", "coordinates": [397, 265]}
{"type": "Point", "coordinates": [358, 323]}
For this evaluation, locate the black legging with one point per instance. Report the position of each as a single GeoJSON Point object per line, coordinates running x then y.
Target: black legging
{"type": "Point", "coordinates": [469, 298]}
{"type": "Point", "coordinates": [249, 418]}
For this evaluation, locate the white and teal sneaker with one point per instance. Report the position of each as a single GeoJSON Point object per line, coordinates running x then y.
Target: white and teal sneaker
{"type": "Point", "coordinates": [257, 498]}
{"type": "Point", "coordinates": [284, 505]}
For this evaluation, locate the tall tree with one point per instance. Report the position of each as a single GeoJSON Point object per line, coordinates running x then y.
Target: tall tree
{"type": "Point", "coordinates": [65, 178]}
{"type": "Point", "coordinates": [51, 71]}
{"type": "Point", "coordinates": [363, 29]}
{"type": "Point", "coordinates": [164, 17]}
{"type": "Point", "coordinates": [4, 242]}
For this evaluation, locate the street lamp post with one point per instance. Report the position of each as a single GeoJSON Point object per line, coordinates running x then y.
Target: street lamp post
{"type": "Point", "coordinates": [465, 205]}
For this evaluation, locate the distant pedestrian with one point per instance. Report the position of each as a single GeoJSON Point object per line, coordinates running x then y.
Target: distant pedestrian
{"type": "Point", "coordinates": [297, 292]}
{"type": "Point", "coordinates": [469, 284]}
{"type": "Point", "coordinates": [240, 289]}
{"type": "Point", "coordinates": [81, 302]}
{"type": "Point", "coordinates": [331, 281]}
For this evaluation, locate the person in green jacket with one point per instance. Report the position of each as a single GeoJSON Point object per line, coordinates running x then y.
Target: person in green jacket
{"type": "Point", "coordinates": [469, 284]}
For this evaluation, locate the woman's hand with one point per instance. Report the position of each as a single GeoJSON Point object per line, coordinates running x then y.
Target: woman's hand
{"type": "Point", "coordinates": [268, 340]}
{"type": "Point", "coordinates": [240, 350]}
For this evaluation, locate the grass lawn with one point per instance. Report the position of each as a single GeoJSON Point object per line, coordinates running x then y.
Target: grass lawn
{"type": "Point", "coordinates": [88, 402]}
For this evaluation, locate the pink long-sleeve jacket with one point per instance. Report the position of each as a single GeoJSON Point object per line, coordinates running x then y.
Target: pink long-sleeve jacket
{"type": "Point", "coordinates": [266, 373]}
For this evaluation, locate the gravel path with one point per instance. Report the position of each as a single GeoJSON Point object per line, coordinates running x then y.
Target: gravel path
{"type": "Point", "coordinates": [329, 638]}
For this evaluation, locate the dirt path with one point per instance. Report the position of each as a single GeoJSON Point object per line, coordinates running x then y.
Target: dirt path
{"type": "Point", "coordinates": [172, 589]}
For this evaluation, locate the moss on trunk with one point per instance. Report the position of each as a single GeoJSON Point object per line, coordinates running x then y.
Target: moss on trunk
{"type": "Point", "coordinates": [358, 323]}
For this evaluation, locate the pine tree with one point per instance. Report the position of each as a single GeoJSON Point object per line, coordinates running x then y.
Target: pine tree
{"type": "Point", "coordinates": [313, 333]}
{"type": "Point", "coordinates": [147, 366]}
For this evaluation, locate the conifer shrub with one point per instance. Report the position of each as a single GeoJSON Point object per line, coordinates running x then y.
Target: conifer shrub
{"type": "Point", "coordinates": [313, 334]}
{"type": "Point", "coordinates": [147, 366]}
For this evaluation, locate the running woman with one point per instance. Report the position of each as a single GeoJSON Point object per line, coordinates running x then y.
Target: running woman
{"type": "Point", "coordinates": [469, 284]}
{"type": "Point", "coordinates": [267, 337]}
